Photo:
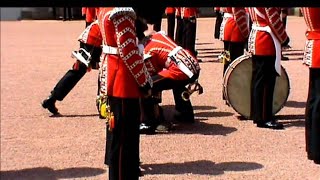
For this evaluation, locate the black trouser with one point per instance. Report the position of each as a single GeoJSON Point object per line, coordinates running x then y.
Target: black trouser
{"type": "Point", "coordinates": [69, 81]}
{"type": "Point", "coordinates": [160, 84]}
{"type": "Point", "coordinates": [73, 76]}
{"type": "Point", "coordinates": [312, 122]}
{"type": "Point", "coordinates": [151, 15]}
{"type": "Point", "coordinates": [219, 19]}
{"type": "Point", "coordinates": [179, 31]}
{"type": "Point", "coordinates": [177, 86]}
{"type": "Point", "coordinates": [122, 142]}
{"type": "Point", "coordinates": [68, 16]}
{"type": "Point", "coordinates": [157, 24]}
{"type": "Point", "coordinates": [54, 13]}
{"type": "Point", "coordinates": [236, 49]}
{"type": "Point", "coordinates": [263, 83]}
{"type": "Point", "coordinates": [171, 21]}
{"type": "Point", "coordinates": [189, 34]}
{"type": "Point", "coordinates": [150, 112]}
{"type": "Point", "coordinates": [284, 19]}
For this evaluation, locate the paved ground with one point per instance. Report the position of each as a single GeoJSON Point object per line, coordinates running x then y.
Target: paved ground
{"type": "Point", "coordinates": [36, 54]}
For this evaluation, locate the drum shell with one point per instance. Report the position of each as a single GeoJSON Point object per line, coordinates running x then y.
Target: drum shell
{"type": "Point", "coordinates": [237, 86]}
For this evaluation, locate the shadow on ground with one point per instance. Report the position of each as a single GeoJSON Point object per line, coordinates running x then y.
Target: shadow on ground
{"type": "Point", "coordinates": [213, 114]}
{"type": "Point", "coordinates": [73, 115]}
{"type": "Point", "coordinates": [295, 104]}
{"type": "Point", "coordinates": [50, 174]}
{"type": "Point", "coordinates": [202, 107]}
{"type": "Point", "coordinates": [204, 43]}
{"type": "Point", "coordinates": [202, 167]}
{"type": "Point", "coordinates": [207, 111]}
{"type": "Point", "coordinates": [211, 53]}
{"type": "Point", "coordinates": [199, 127]}
{"type": "Point", "coordinates": [297, 120]}
{"type": "Point", "coordinates": [203, 128]}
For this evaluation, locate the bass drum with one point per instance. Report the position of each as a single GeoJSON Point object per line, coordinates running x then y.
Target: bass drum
{"type": "Point", "coordinates": [237, 86]}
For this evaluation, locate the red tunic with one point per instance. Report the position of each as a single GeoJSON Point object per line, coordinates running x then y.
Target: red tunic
{"type": "Point", "coordinates": [159, 47]}
{"type": "Point", "coordinates": [83, 11]}
{"type": "Point", "coordinates": [91, 35]}
{"type": "Point", "coordinates": [226, 9]}
{"type": "Point", "coordinates": [91, 14]}
{"type": "Point", "coordinates": [235, 27]}
{"type": "Point", "coordinates": [188, 12]}
{"type": "Point", "coordinates": [261, 42]}
{"type": "Point", "coordinates": [124, 71]}
{"type": "Point", "coordinates": [312, 48]}
{"type": "Point", "coordinates": [170, 10]}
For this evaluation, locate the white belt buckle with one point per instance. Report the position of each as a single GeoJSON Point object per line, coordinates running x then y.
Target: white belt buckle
{"type": "Point", "coordinates": [109, 50]}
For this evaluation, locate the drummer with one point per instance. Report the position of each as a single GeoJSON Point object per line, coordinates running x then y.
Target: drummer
{"type": "Point", "coordinates": [234, 31]}
{"type": "Point", "coordinates": [266, 37]}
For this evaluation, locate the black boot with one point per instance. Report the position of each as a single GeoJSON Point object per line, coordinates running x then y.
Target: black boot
{"type": "Point", "coordinates": [147, 129]}
{"type": "Point", "coordinates": [270, 125]}
{"type": "Point", "coordinates": [49, 104]}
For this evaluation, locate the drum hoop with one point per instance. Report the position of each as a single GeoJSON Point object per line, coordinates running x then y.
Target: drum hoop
{"type": "Point", "coordinates": [226, 80]}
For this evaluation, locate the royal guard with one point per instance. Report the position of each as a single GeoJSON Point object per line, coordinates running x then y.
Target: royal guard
{"type": "Point", "coordinates": [284, 16]}
{"type": "Point", "coordinates": [219, 18]}
{"type": "Point", "coordinates": [124, 80]}
{"type": "Point", "coordinates": [189, 16]}
{"type": "Point", "coordinates": [312, 60]}
{"type": "Point", "coordinates": [90, 14]}
{"type": "Point", "coordinates": [171, 19]}
{"type": "Point", "coordinates": [87, 58]}
{"type": "Point", "coordinates": [171, 67]}
{"type": "Point", "coordinates": [266, 38]}
{"type": "Point", "coordinates": [234, 32]}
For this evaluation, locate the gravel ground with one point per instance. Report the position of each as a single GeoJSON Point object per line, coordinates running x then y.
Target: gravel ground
{"type": "Point", "coordinates": [36, 54]}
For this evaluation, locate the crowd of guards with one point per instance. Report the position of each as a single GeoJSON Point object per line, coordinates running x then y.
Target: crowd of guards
{"type": "Point", "coordinates": [137, 61]}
